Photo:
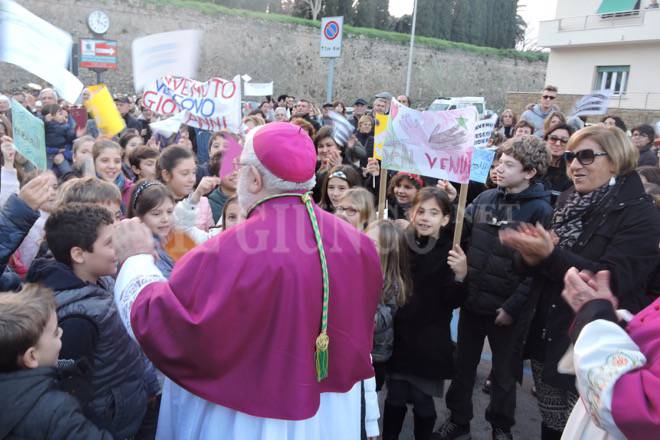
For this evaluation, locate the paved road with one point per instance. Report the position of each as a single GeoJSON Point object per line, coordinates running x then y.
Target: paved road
{"type": "Point", "coordinates": [528, 418]}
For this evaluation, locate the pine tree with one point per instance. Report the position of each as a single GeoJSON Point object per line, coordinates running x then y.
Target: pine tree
{"type": "Point", "coordinates": [434, 18]}
{"type": "Point", "coordinates": [382, 15]}
{"type": "Point", "coordinates": [365, 13]}
{"type": "Point", "coordinates": [300, 9]}
{"type": "Point", "coordinates": [336, 8]}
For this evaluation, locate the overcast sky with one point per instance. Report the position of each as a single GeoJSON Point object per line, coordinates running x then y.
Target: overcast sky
{"type": "Point", "coordinates": [532, 11]}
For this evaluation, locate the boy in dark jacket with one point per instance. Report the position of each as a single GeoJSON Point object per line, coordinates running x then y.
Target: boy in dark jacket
{"type": "Point", "coordinates": [80, 238]}
{"type": "Point", "coordinates": [497, 305]}
{"type": "Point", "coordinates": [32, 405]}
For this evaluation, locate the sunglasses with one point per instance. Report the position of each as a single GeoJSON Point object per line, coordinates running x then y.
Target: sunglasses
{"type": "Point", "coordinates": [585, 157]}
{"type": "Point", "coordinates": [549, 97]}
{"type": "Point", "coordinates": [556, 139]}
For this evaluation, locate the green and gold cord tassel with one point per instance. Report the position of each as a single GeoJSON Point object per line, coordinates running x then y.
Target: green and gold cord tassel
{"type": "Point", "coordinates": [322, 341]}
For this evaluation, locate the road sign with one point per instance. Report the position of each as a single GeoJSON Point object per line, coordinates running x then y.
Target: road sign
{"type": "Point", "coordinates": [98, 54]}
{"type": "Point", "coordinates": [331, 34]}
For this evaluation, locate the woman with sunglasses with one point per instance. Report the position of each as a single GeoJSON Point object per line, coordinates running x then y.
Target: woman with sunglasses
{"type": "Point", "coordinates": [556, 180]}
{"type": "Point", "coordinates": [605, 223]}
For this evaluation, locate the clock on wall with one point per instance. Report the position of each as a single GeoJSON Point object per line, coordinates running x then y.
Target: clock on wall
{"type": "Point", "coordinates": [98, 22]}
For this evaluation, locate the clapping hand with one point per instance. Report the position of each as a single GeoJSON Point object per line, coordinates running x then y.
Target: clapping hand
{"type": "Point", "coordinates": [534, 243]}
{"type": "Point", "coordinates": [582, 287]}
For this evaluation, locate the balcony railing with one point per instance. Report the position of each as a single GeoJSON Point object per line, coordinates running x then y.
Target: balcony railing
{"type": "Point", "coordinates": [604, 21]}
{"type": "Point", "coordinates": [610, 28]}
{"type": "Point", "coordinates": [636, 100]}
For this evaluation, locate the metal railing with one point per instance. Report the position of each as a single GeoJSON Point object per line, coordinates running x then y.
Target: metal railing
{"type": "Point", "coordinates": [629, 18]}
{"type": "Point", "coordinates": [636, 100]}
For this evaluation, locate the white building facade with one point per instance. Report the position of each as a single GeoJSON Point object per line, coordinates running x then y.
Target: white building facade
{"type": "Point", "coordinates": [606, 45]}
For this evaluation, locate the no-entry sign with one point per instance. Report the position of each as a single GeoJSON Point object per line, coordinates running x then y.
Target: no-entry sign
{"type": "Point", "coordinates": [331, 31]}
{"type": "Point", "coordinates": [98, 54]}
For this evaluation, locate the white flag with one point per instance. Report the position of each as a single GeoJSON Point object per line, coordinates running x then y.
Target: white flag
{"type": "Point", "coordinates": [167, 127]}
{"type": "Point", "coordinates": [592, 105]}
{"type": "Point", "coordinates": [168, 53]}
{"type": "Point", "coordinates": [38, 47]}
{"type": "Point", "coordinates": [342, 129]}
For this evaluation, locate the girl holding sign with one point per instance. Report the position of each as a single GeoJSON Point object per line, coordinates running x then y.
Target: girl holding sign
{"type": "Point", "coordinates": [422, 353]}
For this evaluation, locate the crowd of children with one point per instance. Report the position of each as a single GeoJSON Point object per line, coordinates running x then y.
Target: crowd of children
{"type": "Point", "coordinates": [71, 369]}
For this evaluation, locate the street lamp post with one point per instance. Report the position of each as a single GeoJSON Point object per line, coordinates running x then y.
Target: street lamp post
{"type": "Point", "coordinates": [412, 45]}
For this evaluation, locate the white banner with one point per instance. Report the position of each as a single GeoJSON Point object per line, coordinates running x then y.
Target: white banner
{"type": "Point", "coordinates": [211, 105]}
{"type": "Point", "coordinates": [168, 53]}
{"type": "Point", "coordinates": [38, 47]}
{"type": "Point", "coordinates": [483, 131]}
{"type": "Point", "coordinates": [258, 89]}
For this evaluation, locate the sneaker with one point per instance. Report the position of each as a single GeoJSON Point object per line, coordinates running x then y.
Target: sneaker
{"type": "Point", "coordinates": [451, 431]}
{"type": "Point", "coordinates": [502, 434]}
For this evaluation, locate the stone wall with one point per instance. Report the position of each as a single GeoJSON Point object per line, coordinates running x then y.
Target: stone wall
{"type": "Point", "coordinates": [517, 101]}
{"type": "Point", "coordinates": [288, 55]}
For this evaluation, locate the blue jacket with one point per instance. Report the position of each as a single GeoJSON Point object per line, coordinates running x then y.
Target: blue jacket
{"type": "Point", "coordinates": [58, 137]}
{"type": "Point", "coordinates": [16, 219]}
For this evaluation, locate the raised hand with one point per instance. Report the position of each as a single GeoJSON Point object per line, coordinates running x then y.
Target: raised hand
{"type": "Point", "coordinates": [372, 167]}
{"type": "Point", "coordinates": [206, 185]}
{"type": "Point", "coordinates": [8, 151]}
{"type": "Point", "coordinates": [37, 191]}
{"type": "Point", "coordinates": [448, 188]}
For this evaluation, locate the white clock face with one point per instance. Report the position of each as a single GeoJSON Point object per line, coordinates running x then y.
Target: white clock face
{"type": "Point", "coordinates": [98, 22]}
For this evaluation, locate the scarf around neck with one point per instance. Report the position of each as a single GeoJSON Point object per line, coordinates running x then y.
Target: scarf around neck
{"type": "Point", "coordinates": [567, 220]}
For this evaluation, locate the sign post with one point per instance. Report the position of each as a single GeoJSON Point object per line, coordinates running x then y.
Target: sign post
{"type": "Point", "coordinates": [331, 36]}
{"type": "Point", "coordinates": [98, 55]}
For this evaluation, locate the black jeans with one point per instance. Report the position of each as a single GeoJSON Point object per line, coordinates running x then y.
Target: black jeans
{"type": "Point", "coordinates": [399, 393]}
{"type": "Point", "coordinates": [505, 345]}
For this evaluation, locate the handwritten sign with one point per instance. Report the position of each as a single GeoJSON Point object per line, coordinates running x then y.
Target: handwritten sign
{"type": "Point", "coordinates": [483, 131]}
{"type": "Point", "coordinates": [434, 144]}
{"type": "Point", "coordinates": [29, 135]}
{"type": "Point", "coordinates": [380, 133]}
{"type": "Point", "coordinates": [211, 105]}
{"type": "Point", "coordinates": [482, 159]}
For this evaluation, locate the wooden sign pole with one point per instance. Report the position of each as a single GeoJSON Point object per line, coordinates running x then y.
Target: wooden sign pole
{"type": "Point", "coordinates": [460, 214]}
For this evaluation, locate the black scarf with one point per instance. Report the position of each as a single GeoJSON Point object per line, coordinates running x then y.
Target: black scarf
{"type": "Point", "coordinates": [567, 220]}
